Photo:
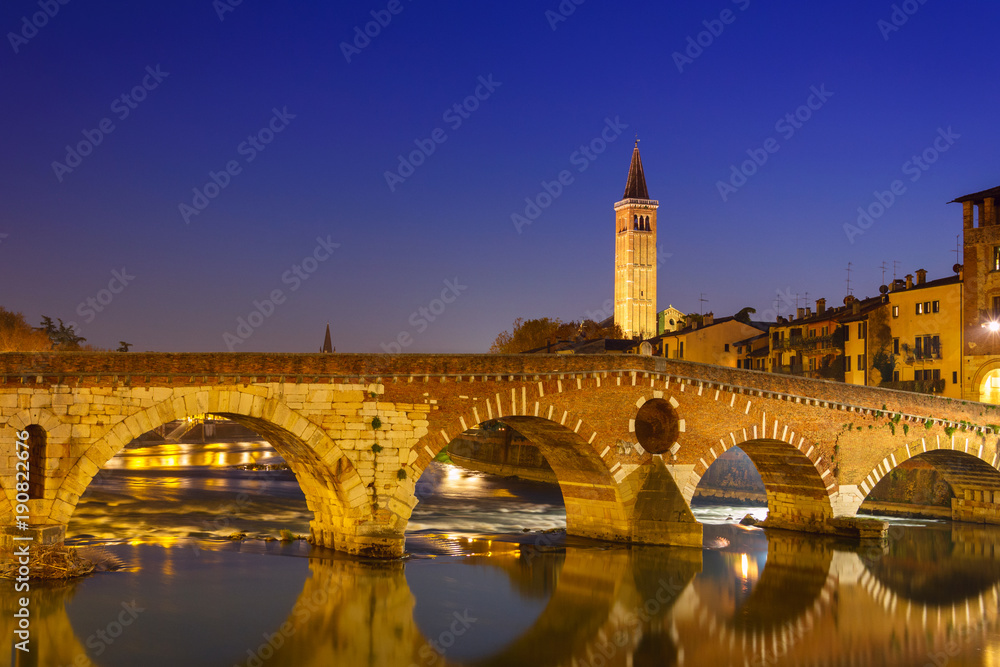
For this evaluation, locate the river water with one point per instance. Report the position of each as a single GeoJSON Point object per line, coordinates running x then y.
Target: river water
{"type": "Point", "coordinates": [491, 579]}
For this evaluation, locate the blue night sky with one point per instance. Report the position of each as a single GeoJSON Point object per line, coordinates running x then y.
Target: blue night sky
{"type": "Point", "coordinates": [887, 95]}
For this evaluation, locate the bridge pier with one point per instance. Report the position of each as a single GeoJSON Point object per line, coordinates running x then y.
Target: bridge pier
{"type": "Point", "coordinates": [661, 514]}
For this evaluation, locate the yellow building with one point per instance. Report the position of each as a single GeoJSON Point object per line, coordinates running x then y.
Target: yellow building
{"type": "Point", "coordinates": [925, 320]}
{"type": "Point", "coordinates": [711, 342]}
{"type": "Point", "coordinates": [811, 344]}
{"type": "Point", "coordinates": [635, 255]}
{"type": "Point", "coordinates": [910, 339]}
{"type": "Point", "coordinates": [752, 353]}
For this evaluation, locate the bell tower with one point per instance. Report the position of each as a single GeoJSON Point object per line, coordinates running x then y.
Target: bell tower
{"type": "Point", "coordinates": [635, 255]}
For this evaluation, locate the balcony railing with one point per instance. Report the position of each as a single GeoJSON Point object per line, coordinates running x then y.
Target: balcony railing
{"type": "Point", "coordinates": [804, 343]}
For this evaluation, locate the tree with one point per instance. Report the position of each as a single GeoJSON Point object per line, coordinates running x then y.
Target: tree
{"type": "Point", "coordinates": [16, 335]}
{"type": "Point", "coordinates": [531, 334]}
{"type": "Point", "coordinates": [744, 315]}
{"type": "Point", "coordinates": [123, 346]}
{"type": "Point", "coordinates": [62, 337]}
{"type": "Point", "coordinates": [880, 345]}
{"type": "Point", "coordinates": [885, 364]}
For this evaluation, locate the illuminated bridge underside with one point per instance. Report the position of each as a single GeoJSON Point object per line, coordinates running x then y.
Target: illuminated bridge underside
{"type": "Point", "coordinates": [796, 495]}
{"type": "Point", "coordinates": [628, 437]}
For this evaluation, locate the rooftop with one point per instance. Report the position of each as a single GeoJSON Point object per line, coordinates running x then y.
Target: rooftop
{"type": "Point", "coordinates": [635, 187]}
{"type": "Point", "coordinates": [977, 196]}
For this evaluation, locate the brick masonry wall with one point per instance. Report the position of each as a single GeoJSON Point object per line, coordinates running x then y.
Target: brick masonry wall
{"type": "Point", "coordinates": [820, 446]}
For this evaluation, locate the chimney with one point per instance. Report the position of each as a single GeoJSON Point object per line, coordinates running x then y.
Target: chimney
{"type": "Point", "coordinates": [820, 306]}
{"type": "Point", "coordinates": [921, 276]}
{"type": "Point", "coordinates": [856, 307]}
{"type": "Point", "coordinates": [808, 311]}
{"type": "Point", "coordinates": [708, 320]}
{"type": "Point", "coordinates": [800, 313]}
{"type": "Point", "coordinates": [909, 280]}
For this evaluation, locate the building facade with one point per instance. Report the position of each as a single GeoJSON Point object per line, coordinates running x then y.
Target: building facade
{"type": "Point", "coordinates": [709, 342]}
{"type": "Point", "coordinates": [925, 323]}
{"type": "Point", "coordinates": [981, 296]}
{"type": "Point", "coordinates": [669, 319]}
{"type": "Point", "coordinates": [635, 255]}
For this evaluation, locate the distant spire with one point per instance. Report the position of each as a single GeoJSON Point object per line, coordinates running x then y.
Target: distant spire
{"type": "Point", "coordinates": [635, 188]}
{"type": "Point", "coordinates": [327, 343]}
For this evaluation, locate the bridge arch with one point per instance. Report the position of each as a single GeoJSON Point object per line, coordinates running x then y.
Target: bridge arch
{"type": "Point", "coordinates": [596, 504]}
{"type": "Point", "coordinates": [332, 487]}
{"type": "Point", "coordinates": [798, 481]}
{"type": "Point", "coordinates": [986, 381]}
{"type": "Point", "coordinates": [964, 466]}
{"type": "Point", "coordinates": [31, 420]}
{"type": "Point", "coordinates": [609, 488]}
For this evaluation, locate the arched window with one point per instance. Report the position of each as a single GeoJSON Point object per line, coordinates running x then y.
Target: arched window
{"type": "Point", "coordinates": [635, 223]}
{"type": "Point", "coordinates": [36, 462]}
{"type": "Point", "coordinates": [647, 224]}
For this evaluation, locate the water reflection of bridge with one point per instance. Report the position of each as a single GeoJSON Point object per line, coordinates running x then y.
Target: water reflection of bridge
{"type": "Point", "coordinates": [808, 602]}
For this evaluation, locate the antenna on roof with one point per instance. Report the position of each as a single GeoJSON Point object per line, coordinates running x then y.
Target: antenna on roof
{"type": "Point", "coordinates": [701, 303]}
{"type": "Point", "coordinates": [958, 251]}
{"type": "Point", "coordinates": [849, 265]}
{"type": "Point", "coordinates": [883, 267]}
{"type": "Point", "coordinates": [895, 265]}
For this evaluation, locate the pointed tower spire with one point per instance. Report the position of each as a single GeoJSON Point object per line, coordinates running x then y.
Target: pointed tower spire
{"type": "Point", "coordinates": [327, 343]}
{"type": "Point", "coordinates": [635, 255]}
{"type": "Point", "coordinates": [635, 188]}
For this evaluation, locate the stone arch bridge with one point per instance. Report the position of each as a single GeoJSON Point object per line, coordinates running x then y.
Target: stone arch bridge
{"type": "Point", "coordinates": [628, 436]}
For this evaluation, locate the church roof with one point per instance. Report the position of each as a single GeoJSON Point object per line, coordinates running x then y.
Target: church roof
{"type": "Point", "coordinates": [974, 197]}
{"type": "Point", "coordinates": [635, 188]}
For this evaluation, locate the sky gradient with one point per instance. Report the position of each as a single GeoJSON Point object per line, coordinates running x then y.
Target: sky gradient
{"type": "Point", "coordinates": [301, 131]}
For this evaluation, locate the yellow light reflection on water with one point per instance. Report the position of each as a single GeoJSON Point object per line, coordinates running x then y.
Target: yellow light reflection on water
{"type": "Point", "coordinates": [745, 564]}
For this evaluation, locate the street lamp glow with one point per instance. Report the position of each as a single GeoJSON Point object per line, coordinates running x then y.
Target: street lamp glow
{"type": "Point", "coordinates": [993, 326]}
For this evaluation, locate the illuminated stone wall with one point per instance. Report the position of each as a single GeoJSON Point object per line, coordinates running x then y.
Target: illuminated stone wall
{"type": "Point", "coordinates": [820, 446]}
